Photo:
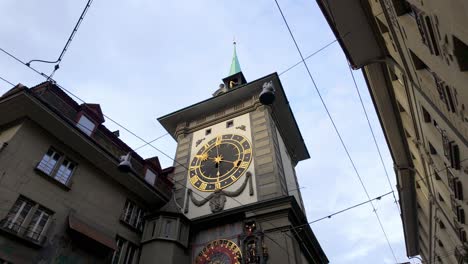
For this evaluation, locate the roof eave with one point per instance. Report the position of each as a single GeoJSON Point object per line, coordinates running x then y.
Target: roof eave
{"type": "Point", "coordinates": [281, 106]}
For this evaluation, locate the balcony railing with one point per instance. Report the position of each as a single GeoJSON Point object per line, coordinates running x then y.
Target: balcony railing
{"type": "Point", "coordinates": [22, 232]}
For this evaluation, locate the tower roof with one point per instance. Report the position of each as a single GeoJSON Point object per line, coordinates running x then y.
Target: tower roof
{"type": "Point", "coordinates": [235, 66]}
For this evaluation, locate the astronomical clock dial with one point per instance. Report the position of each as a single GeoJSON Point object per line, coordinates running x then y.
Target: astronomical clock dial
{"type": "Point", "coordinates": [220, 162]}
{"type": "Point", "coordinates": [221, 251]}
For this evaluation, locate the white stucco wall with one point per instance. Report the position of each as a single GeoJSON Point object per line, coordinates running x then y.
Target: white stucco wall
{"type": "Point", "coordinates": [220, 129]}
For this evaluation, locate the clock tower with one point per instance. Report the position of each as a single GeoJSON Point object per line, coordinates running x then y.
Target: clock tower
{"type": "Point", "coordinates": [235, 181]}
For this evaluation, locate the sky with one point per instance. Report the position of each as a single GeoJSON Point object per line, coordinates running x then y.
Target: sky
{"type": "Point", "coordinates": [142, 59]}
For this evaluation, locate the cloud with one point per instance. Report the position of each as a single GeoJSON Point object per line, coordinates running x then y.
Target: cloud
{"type": "Point", "coordinates": [143, 59]}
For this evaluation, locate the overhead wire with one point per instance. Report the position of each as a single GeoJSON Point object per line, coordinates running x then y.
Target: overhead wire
{"type": "Point", "coordinates": [378, 198]}
{"type": "Point", "coordinates": [149, 143]}
{"type": "Point", "coordinates": [67, 44]}
{"type": "Point", "coordinates": [306, 58]}
{"type": "Point", "coordinates": [135, 135]}
{"type": "Point", "coordinates": [336, 130]}
{"type": "Point", "coordinates": [5, 80]}
{"type": "Point", "coordinates": [374, 138]}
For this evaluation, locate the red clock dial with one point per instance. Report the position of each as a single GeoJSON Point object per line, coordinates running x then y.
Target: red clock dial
{"type": "Point", "coordinates": [221, 251]}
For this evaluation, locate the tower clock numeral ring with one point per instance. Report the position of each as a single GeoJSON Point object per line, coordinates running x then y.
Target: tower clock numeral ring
{"type": "Point", "coordinates": [220, 162]}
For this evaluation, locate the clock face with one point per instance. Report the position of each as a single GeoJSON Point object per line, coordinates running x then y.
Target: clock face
{"type": "Point", "coordinates": [220, 162]}
{"type": "Point", "coordinates": [221, 251]}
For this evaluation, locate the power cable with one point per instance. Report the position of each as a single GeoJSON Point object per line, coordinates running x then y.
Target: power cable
{"type": "Point", "coordinates": [67, 44]}
{"type": "Point", "coordinates": [336, 129]}
{"type": "Point", "coordinates": [341, 211]}
{"type": "Point", "coordinates": [5, 80]}
{"type": "Point", "coordinates": [173, 159]}
{"type": "Point", "coordinates": [374, 138]}
{"type": "Point", "coordinates": [25, 64]}
{"type": "Point", "coordinates": [144, 145]}
{"type": "Point", "coordinates": [436, 171]}
{"type": "Point", "coordinates": [306, 58]}
{"type": "Point", "coordinates": [132, 133]}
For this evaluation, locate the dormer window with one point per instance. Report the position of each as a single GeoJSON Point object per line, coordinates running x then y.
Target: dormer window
{"type": "Point", "coordinates": [86, 125]}
{"type": "Point", "coordinates": [150, 176]}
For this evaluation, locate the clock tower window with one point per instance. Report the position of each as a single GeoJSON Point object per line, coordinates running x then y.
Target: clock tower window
{"type": "Point", "coordinates": [229, 123]}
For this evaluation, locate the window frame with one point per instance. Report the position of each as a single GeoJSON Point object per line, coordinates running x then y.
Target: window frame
{"type": "Point", "coordinates": [119, 250]}
{"type": "Point", "coordinates": [84, 129]}
{"type": "Point", "coordinates": [123, 252]}
{"type": "Point", "coordinates": [133, 217]}
{"type": "Point", "coordinates": [152, 172]}
{"type": "Point", "coordinates": [10, 223]}
{"type": "Point", "coordinates": [27, 228]}
{"type": "Point", "coordinates": [30, 232]}
{"type": "Point", "coordinates": [55, 172]}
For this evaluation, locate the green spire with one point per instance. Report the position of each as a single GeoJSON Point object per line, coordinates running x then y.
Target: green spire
{"type": "Point", "coordinates": [235, 66]}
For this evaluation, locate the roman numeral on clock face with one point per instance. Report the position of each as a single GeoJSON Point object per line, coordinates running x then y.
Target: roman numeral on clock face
{"type": "Point", "coordinates": [193, 180]}
{"type": "Point", "coordinates": [244, 165]}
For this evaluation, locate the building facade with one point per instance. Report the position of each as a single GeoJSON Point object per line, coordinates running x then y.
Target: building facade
{"type": "Point", "coordinates": [73, 192]}
{"type": "Point", "coordinates": [63, 198]}
{"type": "Point", "coordinates": [414, 57]}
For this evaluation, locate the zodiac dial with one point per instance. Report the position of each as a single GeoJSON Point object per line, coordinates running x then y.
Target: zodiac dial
{"type": "Point", "coordinates": [221, 251]}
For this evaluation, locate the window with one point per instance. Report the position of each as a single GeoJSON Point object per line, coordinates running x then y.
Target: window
{"type": "Point", "coordinates": [460, 50]}
{"type": "Point", "coordinates": [133, 215]}
{"type": "Point", "coordinates": [208, 132]}
{"type": "Point", "coordinates": [419, 16]}
{"type": "Point", "coordinates": [401, 7]}
{"type": "Point", "coordinates": [458, 189]}
{"type": "Point", "coordinates": [432, 150]}
{"type": "Point", "coordinates": [460, 214]}
{"type": "Point", "coordinates": [23, 209]}
{"type": "Point", "coordinates": [65, 170]}
{"type": "Point", "coordinates": [437, 177]}
{"type": "Point", "coordinates": [49, 161]}
{"type": "Point", "coordinates": [453, 155]}
{"type": "Point", "coordinates": [57, 166]}
{"type": "Point", "coordinates": [400, 107]}
{"type": "Point", "coordinates": [38, 222]}
{"type": "Point", "coordinates": [17, 214]}
{"type": "Point", "coordinates": [426, 115]}
{"type": "Point", "coordinates": [116, 256]}
{"type": "Point", "coordinates": [407, 134]}
{"type": "Point", "coordinates": [440, 243]}
{"type": "Point", "coordinates": [383, 28]}
{"type": "Point", "coordinates": [131, 254]}
{"type": "Point", "coordinates": [418, 63]}
{"type": "Point", "coordinates": [86, 125]}
{"type": "Point", "coordinates": [126, 251]}
{"type": "Point", "coordinates": [229, 123]}
{"type": "Point", "coordinates": [150, 176]}
{"type": "Point", "coordinates": [434, 48]}
{"type": "Point", "coordinates": [441, 198]}
{"type": "Point", "coordinates": [441, 225]}
{"type": "Point", "coordinates": [167, 231]}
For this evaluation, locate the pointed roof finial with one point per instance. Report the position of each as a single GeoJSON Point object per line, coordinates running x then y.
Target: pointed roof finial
{"type": "Point", "coordinates": [235, 66]}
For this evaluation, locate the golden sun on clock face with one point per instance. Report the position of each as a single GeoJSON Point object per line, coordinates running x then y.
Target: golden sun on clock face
{"type": "Point", "coordinates": [220, 162]}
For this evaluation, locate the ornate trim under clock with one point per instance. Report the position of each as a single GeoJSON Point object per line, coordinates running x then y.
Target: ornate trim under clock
{"type": "Point", "coordinates": [217, 199]}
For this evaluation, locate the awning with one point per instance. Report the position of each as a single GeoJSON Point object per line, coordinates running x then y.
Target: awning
{"type": "Point", "coordinates": [79, 225]}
